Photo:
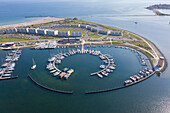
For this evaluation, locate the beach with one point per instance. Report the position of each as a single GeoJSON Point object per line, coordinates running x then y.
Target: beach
{"type": "Point", "coordinates": [41, 21]}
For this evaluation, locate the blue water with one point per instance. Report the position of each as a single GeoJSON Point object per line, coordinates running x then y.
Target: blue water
{"type": "Point", "coordinates": [152, 95]}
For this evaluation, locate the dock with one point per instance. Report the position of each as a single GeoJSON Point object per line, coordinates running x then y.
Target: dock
{"type": "Point", "coordinates": [4, 70]}
{"type": "Point", "coordinates": [104, 68]}
{"type": "Point", "coordinates": [55, 66]}
{"type": "Point", "coordinates": [7, 78]}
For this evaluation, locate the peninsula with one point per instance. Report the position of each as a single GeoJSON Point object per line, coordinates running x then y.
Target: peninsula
{"type": "Point", "coordinates": [53, 32]}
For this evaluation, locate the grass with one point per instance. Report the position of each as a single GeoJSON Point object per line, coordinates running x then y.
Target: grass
{"type": "Point", "coordinates": [14, 39]}
{"type": "Point", "coordinates": [94, 35]}
{"type": "Point", "coordinates": [68, 29]}
{"type": "Point", "coordinates": [104, 26]}
{"type": "Point", "coordinates": [140, 44]}
{"type": "Point", "coordinates": [55, 22]}
{"type": "Point", "coordinates": [46, 38]}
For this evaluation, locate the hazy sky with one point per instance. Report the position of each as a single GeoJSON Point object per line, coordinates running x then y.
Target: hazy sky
{"type": "Point", "coordinates": [115, 1]}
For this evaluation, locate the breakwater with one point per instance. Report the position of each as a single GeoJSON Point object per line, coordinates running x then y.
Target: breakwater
{"type": "Point", "coordinates": [50, 89]}
{"type": "Point", "coordinates": [107, 90]}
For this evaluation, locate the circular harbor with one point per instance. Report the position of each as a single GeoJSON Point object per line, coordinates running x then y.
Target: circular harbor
{"type": "Point", "coordinates": [97, 68]}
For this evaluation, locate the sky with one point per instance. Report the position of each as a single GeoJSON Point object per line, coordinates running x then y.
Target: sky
{"type": "Point", "coordinates": [115, 1]}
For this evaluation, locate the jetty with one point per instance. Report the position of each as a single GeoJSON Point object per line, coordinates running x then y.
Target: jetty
{"type": "Point", "coordinates": [112, 89]}
{"type": "Point", "coordinates": [4, 70]}
{"type": "Point", "coordinates": [55, 66]}
{"type": "Point", "coordinates": [7, 78]}
{"type": "Point", "coordinates": [95, 73]}
{"type": "Point", "coordinates": [47, 88]}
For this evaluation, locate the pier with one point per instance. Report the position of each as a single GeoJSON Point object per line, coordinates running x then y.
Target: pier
{"type": "Point", "coordinates": [7, 78]}
{"type": "Point", "coordinates": [50, 89]}
{"type": "Point", "coordinates": [55, 66]}
{"type": "Point", "coordinates": [4, 70]}
{"type": "Point", "coordinates": [104, 68]}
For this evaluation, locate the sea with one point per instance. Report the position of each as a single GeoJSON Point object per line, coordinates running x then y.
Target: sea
{"type": "Point", "coordinates": [150, 96]}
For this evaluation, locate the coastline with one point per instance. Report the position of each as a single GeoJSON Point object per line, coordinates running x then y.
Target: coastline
{"type": "Point", "coordinates": [30, 23]}
{"type": "Point", "coordinates": [155, 53]}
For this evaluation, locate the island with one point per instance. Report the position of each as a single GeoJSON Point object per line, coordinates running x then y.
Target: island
{"type": "Point", "coordinates": [155, 8]}
{"type": "Point", "coordinates": [159, 6]}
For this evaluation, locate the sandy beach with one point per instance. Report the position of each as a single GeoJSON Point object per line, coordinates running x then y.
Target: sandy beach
{"type": "Point", "coordinates": [41, 21]}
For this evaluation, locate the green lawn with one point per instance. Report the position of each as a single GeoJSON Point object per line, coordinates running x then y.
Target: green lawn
{"type": "Point", "coordinates": [94, 35]}
{"type": "Point", "coordinates": [13, 39]}
{"type": "Point", "coordinates": [68, 29]}
{"type": "Point", "coordinates": [104, 26]}
{"type": "Point", "coordinates": [47, 38]}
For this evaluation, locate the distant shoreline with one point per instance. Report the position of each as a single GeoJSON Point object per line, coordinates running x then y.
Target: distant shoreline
{"type": "Point", "coordinates": [37, 16]}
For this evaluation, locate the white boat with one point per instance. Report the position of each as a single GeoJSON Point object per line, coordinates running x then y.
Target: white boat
{"type": "Point", "coordinates": [4, 65]}
{"type": "Point", "coordinates": [34, 65]}
{"type": "Point", "coordinates": [102, 66]}
{"type": "Point", "coordinates": [56, 73]}
{"type": "Point", "coordinates": [51, 59]}
{"type": "Point", "coordinates": [53, 71]}
{"type": "Point", "coordinates": [99, 75]}
{"type": "Point", "coordinates": [105, 73]}
{"type": "Point", "coordinates": [111, 67]}
{"type": "Point", "coordinates": [6, 75]}
{"type": "Point", "coordinates": [8, 72]}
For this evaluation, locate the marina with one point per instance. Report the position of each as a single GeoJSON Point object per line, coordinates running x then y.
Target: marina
{"type": "Point", "coordinates": [65, 73]}
{"type": "Point", "coordinates": [9, 66]}
{"type": "Point", "coordinates": [130, 88]}
{"type": "Point", "coordinates": [106, 61]}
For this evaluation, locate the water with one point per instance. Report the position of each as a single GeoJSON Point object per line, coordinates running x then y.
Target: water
{"type": "Point", "coordinates": [151, 95]}
{"type": "Point", "coordinates": [24, 91]}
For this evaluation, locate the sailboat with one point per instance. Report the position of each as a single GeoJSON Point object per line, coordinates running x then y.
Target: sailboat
{"type": "Point", "coordinates": [34, 65]}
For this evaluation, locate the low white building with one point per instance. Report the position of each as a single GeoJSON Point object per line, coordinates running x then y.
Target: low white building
{"type": "Point", "coordinates": [22, 30]}
{"type": "Point", "coordinates": [1, 31]}
{"type": "Point", "coordinates": [104, 32]}
{"type": "Point", "coordinates": [95, 29]}
{"type": "Point", "coordinates": [65, 25]}
{"type": "Point", "coordinates": [32, 31]}
{"type": "Point", "coordinates": [76, 34]}
{"type": "Point", "coordinates": [41, 32]}
{"type": "Point", "coordinates": [116, 33]}
{"type": "Point", "coordinates": [11, 31]}
{"type": "Point", "coordinates": [51, 32]}
{"type": "Point", "coordinates": [64, 33]}
{"type": "Point", "coordinates": [89, 28]}
{"type": "Point", "coordinates": [83, 26]}
{"type": "Point", "coordinates": [75, 25]}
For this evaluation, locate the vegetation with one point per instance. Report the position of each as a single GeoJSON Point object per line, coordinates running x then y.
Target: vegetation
{"type": "Point", "coordinates": [104, 26]}
{"type": "Point", "coordinates": [140, 44]}
{"type": "Point", "coordinates": [94, 35]}
{"type": "Point", "coordinates": [68, 29]}
{"type": "Point", "coordinates": [55, 22]}
{"type": "Point", "coordinates": [46, 38]}
{"type": "Point", "coordinates": [14, 39]}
